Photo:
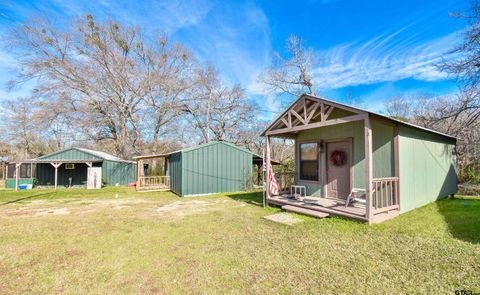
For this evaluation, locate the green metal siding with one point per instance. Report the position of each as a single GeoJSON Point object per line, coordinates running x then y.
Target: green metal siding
{"type": "Point", "coordinates": [354, 130]}
{"type": "Point", "coordinates": [121, 173]}
{"type": "Point", "coordinates": [46, 174]}
{"type": "Point", "coordinates": [10, 183]}
{"type": "Point", "coordinates": [175, 172]}
{"type": "Point", "coordinates": [427, 167]}
{"type": "Point", "coordinates": [113, 172]}
{"type": "Point", "coordinates": [215, 167]}
{"type": "Point", "coordinates": [382, 147]}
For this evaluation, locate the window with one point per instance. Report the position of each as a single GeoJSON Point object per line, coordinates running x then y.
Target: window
{"type": "Point", "coordinates": [69, 166]}
{"type": "Point", "coordinates": [25, 170]}
{"type": "Point", "coordinates": [309, 161]}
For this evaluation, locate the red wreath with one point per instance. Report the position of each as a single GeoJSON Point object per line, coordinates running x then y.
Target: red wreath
{"type": "Point", "coordinates": [338, 158]}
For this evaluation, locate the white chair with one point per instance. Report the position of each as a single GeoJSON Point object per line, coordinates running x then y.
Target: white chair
{"type": "Point", "coordinates": [353, 196]}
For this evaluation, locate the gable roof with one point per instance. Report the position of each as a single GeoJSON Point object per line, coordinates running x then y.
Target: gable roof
{"type": "Point", "coordinates": [355, 109]}
{"type": "Point", "coordinates": [256, 156]}
{"type": "Point", "coordinates": [96, 155]}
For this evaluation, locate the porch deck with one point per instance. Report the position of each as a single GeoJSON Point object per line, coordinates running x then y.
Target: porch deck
{"type": "Point", "coordinates": [335, 207]}
{"type": "Point", "coordinates": [327, 205]}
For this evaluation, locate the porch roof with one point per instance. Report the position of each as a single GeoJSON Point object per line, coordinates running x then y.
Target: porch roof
{"type": "Point", "coordinates": [320, 108]}
{"type": "Point", "coordinates": [40, 161]}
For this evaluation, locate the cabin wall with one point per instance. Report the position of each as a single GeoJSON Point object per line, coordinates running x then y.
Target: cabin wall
{"type": "Point", "coordinates": [353, 130]}
{"type": "Point", "coordinates": [215, 168]}
{"type": "Point", "coordinates": [382, 148]}
{"type": "Point", "coordinates": [427, 168]}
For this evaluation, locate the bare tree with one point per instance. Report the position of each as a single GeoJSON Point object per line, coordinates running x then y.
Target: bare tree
{"type": "Point", "coordinates": [102, 74]}
{"type": "Point", "coordinates": [292, 74]}
{"type": "Point", "coordinates": [21, 127]}
{"type": "Point", "coordinates": [215, 109]}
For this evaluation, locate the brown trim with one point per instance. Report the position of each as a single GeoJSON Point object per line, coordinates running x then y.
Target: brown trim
{"type": "Point", "coordinates": [297, 161]}
{"type": "Point", "coordinates": [368, 168]}
{"type": "Point", "coordinates": [337, 121]}
{"type": "Point", "coordinates": [396, 155]}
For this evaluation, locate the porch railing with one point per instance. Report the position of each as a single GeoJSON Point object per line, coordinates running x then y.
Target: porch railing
{"type": "Point", "coordinates": [385, 194]}
{"type": "Point", "coordinates": [154, 182]}
{"type": "Point", "coordinates": [285, 180]}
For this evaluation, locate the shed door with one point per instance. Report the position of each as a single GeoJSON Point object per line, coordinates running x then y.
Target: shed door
{"type": "Point", "coordinates": [339, 155]}
{"type": "Point", "coordinates": [94, 177]}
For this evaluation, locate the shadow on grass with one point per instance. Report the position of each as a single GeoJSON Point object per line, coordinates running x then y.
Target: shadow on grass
{"type": "Point", "coordinates": [462, 217]}
{"type": "Point", "coordinates": [254, 198]}
{"type": "Point", "coordinates": [23, 198]}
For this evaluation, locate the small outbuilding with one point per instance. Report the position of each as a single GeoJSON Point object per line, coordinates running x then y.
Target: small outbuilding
{"type": "Point", "coordinates": [360, 164]}
{"type": "Point", "coordinates": [72, 167]}
{"type": "Point", "coordinates": [214, 167]}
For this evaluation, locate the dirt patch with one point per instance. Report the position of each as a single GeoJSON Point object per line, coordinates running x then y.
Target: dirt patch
{"type": "Point", "coordinates": [185, 208]}
{"type": "Point", "coordinates": [284, 218]}
{"type": "Point", "coordinates": [25, 211]}
{"type": "Point", "coordinates": [52, 211]}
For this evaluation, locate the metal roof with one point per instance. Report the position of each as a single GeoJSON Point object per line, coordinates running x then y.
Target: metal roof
{"type": "Point", "coordinates": [98, 154]}
{"type": "Point", "coordinates": [255, 156]}
{"type": "Point", "coordinates": [357, 109]}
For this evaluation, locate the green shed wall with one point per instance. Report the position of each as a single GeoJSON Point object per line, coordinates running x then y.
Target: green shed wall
{"type": "Point", "coordinates": [215, 167]}
{"type": "Point", "coordinates": [427, 167]}
{"type": "Point", "coordinates": [45, 174]}
{"type": "Point", "coordinates": [175, 172]}
{"type": "Point", "coordinates": [114, 172]}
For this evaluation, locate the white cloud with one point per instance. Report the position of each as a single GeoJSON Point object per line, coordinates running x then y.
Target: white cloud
{"type": "Point", "coordinates": [384, 58]}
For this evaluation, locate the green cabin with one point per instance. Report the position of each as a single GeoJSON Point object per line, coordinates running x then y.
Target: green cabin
{"type": "Point", "coordinates": [214, 167]}
{"type": "Point", "coordinates": [359, 164]}
{"type": "Point", "coordinates": [69, 168]}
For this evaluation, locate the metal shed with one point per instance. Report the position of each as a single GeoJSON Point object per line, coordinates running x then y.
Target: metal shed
{"type": "Point", "coordinates": [214, 167]}
{"type": "Point", "coordinates": [68, 168]}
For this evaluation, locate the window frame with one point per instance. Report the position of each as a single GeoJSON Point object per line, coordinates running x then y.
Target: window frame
{"type": "Point", "coordinates": [69, 166]}
{"type": "Point", "coordinates": [317, 161]}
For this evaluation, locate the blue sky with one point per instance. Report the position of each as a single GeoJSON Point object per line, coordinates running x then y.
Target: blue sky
{"type": "Point", "coordinates": [370, 50]}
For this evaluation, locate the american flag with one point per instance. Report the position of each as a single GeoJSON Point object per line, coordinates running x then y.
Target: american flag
{"type": "Point", "coordinates": [273, 182]}
{"type": "Point", "coordinates": [273, 186]}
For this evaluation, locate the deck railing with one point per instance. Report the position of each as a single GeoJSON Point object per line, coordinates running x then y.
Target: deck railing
{"type": "Point", "coordinates": [285, 180]}
{"type": "Point", "coordinates": [154, 182]}
{"type": "Point", "coordinates": [385, 194]}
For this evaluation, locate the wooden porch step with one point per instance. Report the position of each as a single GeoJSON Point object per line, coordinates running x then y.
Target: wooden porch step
{"type": "Point", "coordinates": [318, 214]}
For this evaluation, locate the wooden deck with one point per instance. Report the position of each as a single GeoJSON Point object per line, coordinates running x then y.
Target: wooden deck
{"type": "Point", "coordinates": [331, 206]}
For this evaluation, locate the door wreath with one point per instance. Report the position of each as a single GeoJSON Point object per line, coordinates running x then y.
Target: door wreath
{"type": "Point", "coordinates": [338, 158]}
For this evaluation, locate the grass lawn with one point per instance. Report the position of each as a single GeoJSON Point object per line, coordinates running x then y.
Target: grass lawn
{"type": "Point", "coordinates": [118, 241]}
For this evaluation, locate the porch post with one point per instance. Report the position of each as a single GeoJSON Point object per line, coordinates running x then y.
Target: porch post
{"type": "Point", "coordinates": [396, 155]}
{"type": "Point", "coordinates": [56, 165]}
{"type": "Point", "coordinates": [137, 174]}
{"type": "Point", "coordinates": [267, 155]}
{"type": "Point", "coordinates": [17, 165]}
{"type": "Point", "coordinates": [368, 168]}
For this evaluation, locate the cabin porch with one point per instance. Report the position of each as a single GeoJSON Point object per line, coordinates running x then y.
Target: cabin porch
{"type": "Point", "coordinates": [341, 153]}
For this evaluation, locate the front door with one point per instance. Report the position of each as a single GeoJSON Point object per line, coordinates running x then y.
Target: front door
{"type": "Point", "coordinates": [339, 159]}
